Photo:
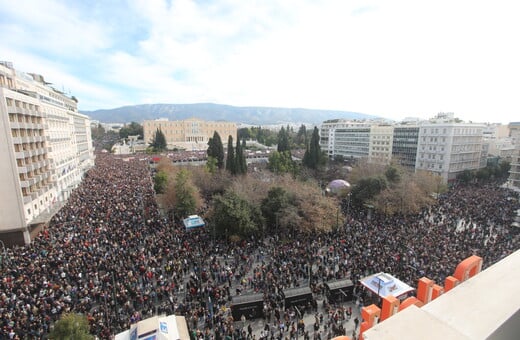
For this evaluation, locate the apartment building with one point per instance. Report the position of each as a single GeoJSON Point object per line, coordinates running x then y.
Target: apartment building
{"type": "Point", "coordinates": [404, 145]}
{"type": "Point", "coordinates": [514, 172]}
{"type": "Point", "coordinates": [442, 145]}
{"type": "Point", "coordinates": [514, 132]}
{"type": "Point", "coordinates": [189, 134]}
{"type": "Point", "coordinates": [380, 144]}
{"type": "Point", "coordinates": [350, 139]}
{"type": "Point", "coordinates": [449, 148]}
{"type": "Point", "coordinates": [45, 148]}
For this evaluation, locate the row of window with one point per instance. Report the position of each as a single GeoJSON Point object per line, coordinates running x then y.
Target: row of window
{"type": "Point", "coordinates": [6, 81]}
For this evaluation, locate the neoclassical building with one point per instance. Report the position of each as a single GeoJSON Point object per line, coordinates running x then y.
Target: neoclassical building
{"type": "Point", "coordinates": [189, 134]}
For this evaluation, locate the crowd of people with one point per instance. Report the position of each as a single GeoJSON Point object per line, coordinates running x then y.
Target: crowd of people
{"type": "Point", "coordinates": [110, 255]}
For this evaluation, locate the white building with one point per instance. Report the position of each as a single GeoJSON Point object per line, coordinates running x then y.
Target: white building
{"type": "Point", "coordinates": [350, 139]}
{"type": "Point", "coordinates": [355, 140]}
{"type": "Point", "coordinates": [514, 172]}
{"type": "Point", "coordinates": [448, 148]}
{"type": "Point", "coordinates": [45, 148]}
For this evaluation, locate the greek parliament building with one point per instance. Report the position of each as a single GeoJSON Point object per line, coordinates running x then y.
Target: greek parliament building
{"type": "Point", "coordinates": [189, 134]}
{"type": "Point", "coordinates": [45, 148]}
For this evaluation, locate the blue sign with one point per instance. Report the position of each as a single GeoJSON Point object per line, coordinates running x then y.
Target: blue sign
{"type": "Point", "coordinates": [133, 334]}
{"type": "Point", "coordinates": [163, 326]}
{"type": "Point", "coordinates": [193, 221]}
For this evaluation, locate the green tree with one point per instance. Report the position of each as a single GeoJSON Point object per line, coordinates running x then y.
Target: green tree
{"type": "Point", "coordinates": [71, 326]}
{"type": "Point", "coordinates": [97, 132]}
{"type": "Point", "coordinates": [216, 149]}
{"type": "Point", "coordinates": [283, 141]}
{"type": "Point", "coordinates": [234, 215]}
{"type": "Point", "coordinates": [484, 174]}
{"type": "Point", "coordinates": [503, 169]}
{"type": "Point", "coordinates": [187, 198]}
{"type": "Point", "coordinates": [301, 136]}
{"type": "Point", "coordinates": [313, 156]}
{"type": "Point", "coordinates": [211, 164]}
{"type": "Point", "coordinates": [133, 129]}
{"type": "Point", "coordinates": [392, 174]}
{"type": "Point", "coordinates": [367, 188]}
{"type": "Point", "coordinates": [230, 160]}
{"type": "Point", "coordinates": [158, 143]}
{"type": "Point", "coordinates": [465, 176]}
{"type": "Point", "coordinates": [240, 159]}
{"type": "Point", "coordinates": [273, 205]}
{"type": "Point", "coordinates": [160, 181]}
{"type": "Point", "coordinates": [281, 162]}
{"type": "Point", "coordinates": [244, 133]}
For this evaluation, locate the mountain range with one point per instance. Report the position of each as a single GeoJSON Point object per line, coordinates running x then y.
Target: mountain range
{"type": "Point", "coordinates": [214, 112]}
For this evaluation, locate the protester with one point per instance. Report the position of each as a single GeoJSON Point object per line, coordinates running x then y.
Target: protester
{"type": "Point", "coordinates": [110, 255]}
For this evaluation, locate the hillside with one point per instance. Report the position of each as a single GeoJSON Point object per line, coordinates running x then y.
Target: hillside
{"type": "Point", "coordinates": [209, 111]}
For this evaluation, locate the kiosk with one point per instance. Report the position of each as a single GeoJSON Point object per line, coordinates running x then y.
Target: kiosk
{"type": "Point", "coordinates": [250, 306]}
{"type": "Point", "coordinates": [339, 291]}
{"type": "Point", "coordinates": [297, 296]}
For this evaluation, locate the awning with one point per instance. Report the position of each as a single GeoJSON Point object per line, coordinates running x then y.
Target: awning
{"type": "Point", "coordinates": [384, 284]}
{"type": "Point", "coordinates": [193, 221]}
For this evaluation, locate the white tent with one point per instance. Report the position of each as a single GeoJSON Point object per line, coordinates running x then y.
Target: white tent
{"type": "Point", "coordinates": [170, 327]}
{"type": "Point", "coordinates": [384, 284]}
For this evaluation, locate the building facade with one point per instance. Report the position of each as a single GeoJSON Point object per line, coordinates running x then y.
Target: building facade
{"type": "Point", "coordinates": [514, 171]}
{"type": "Point", "coordinates": [442, 145]}
{"type": "Point", "coordinates": [514, 132]}
{"type": "Point", "coordinates": [404, 145]}
{"type": "Point", "coordinates": [189, 134]}
{"type": "Point", "coordinates": [450, 148]}
{"type": "Point", "coordinates": [380, 144]}
{"type": "Point", "coordinates": [45, 148]}
{"type": "Point", "coordinates": [345, 138]}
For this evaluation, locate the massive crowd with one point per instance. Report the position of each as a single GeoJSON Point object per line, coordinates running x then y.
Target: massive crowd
{"type": "Point", "coordinates": [110, 255]}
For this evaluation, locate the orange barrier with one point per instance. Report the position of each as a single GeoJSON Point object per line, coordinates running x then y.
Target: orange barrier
{"type": "Point", "coordinates": [390, 307]}
{"type": "Point", "coordinates": [412, 300]}
{"type": "Point", "coordinates": [424, 289]}
{"type": "Point", "coordinates": [371, 314]}
{"type": "Point", "coordinates": [437, 291]}
{"type": "Point", "coordinates": [468, 268]}
{"type": "Point", "coordinates": [427, 291]}
{"type": "Point", "coordinates": [450, 283]}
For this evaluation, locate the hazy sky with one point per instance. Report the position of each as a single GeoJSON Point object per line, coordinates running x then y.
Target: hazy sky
{"type": "Point", "coordinates": [389, 58]}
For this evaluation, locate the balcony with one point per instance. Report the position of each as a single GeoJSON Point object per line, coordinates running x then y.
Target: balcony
{"type": "Point", "coordinates": [17, 140]}
{"type": "Point", "coordinates": [27, 199]}
{"type": "Point", "coordinates": [24, 184]}
{"type": "Point", "coordinates": [22, 170]}
{"type": "Point", "coordinates": [15, 109]}
{"type": "Point", "coordinates": [16, 125]}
